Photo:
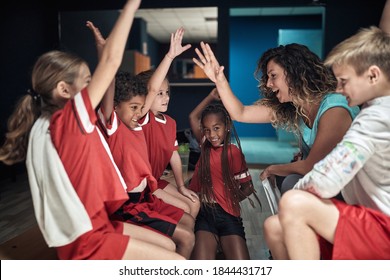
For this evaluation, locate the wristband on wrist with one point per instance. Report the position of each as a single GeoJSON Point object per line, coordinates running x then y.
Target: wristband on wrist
{"type": "Point", "coordinates": [169, 57]}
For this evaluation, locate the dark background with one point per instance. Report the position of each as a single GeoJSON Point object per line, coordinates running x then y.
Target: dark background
{"type": "Point", "coordinates": [30, 28]}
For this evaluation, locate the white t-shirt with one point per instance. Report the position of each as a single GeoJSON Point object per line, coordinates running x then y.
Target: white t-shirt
{"type": "Point", "coordinates": [359, 166]}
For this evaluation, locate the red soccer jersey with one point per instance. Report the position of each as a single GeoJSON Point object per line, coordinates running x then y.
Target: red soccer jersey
{"type": "Point", "coordinates": [129, 150]}
{"type": "Point", "coordinates": [128, 147]}
{"type": "Point", "coordinates": [86, 156]}
{"type": "Point", "coordinates": [238, 169]}
{"type": "Point", "coordinates": [160, 135]}
{"type": "Point", "coordinates": [88, 162]}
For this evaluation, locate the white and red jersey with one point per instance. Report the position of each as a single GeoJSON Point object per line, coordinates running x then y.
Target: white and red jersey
{"type": "Point", "coordinates": [96, 179]}
{"type": "Point", "coordinates": [239, 170]}
{"type": "Point", "coordinates": [128, 147]}
{"type": "Point", "coordinates": [86, 156]}
{"type": "Point", "coordinates": [160, 135]}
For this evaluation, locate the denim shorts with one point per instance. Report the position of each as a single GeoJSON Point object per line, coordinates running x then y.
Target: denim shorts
{"type": "Point", "coordinates": [214, 219]}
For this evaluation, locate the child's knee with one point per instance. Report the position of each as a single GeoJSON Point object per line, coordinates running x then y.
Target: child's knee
{"type": "Point", "coordinates": [186, 207]}
{"type": "Point", "coordinates": [295, 205]}
{"type": "Point", "coordinates": [188, 221]}
{"type": "Point", "coordinates": [184, 236]}
{"type": "Point", "coordinates": [272, 227]}
{"type": "Point", "coordinates": [195, 206]}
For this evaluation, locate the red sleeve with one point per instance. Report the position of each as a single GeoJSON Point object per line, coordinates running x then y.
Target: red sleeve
{"type": "Point", "coordinates": [77, 115]}
{"type": "Point", "coordinates": [240, 169]}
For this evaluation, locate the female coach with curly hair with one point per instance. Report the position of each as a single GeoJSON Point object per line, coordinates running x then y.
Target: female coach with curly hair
{"type": "Point", "coordinates": [298, 95]}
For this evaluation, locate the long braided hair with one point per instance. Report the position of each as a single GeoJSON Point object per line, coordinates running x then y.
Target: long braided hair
{"type": "Point", "coordinates": [231, 186]}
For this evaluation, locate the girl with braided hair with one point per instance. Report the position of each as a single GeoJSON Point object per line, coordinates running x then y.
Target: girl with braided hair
{"type": "Point", "coordinates": [298, 94]}
{"type": "Point", "coordinates": [222, 180]}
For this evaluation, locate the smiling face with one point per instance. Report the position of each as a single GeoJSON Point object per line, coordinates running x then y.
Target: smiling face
{"type": "Point", "coordinates": [130, 111]}
{"type": "Point", "coordinates": [161, 101]}
{"type": "Point", "coordinates": [214, 129]}
{"type": "Point", "coordinates": [277, 82]}
{"type": "Point", "coordinates": [355, 88]}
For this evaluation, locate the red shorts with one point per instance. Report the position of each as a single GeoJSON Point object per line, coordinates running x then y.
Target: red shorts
{"type": "Point", "coordinates": [104, 242]}
{"type": "Point", "coordinates": [146, 210]}
{"type": "Point", "coordinates": [361, 234]}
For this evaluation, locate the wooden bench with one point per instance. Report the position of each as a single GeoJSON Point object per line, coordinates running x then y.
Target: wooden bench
{"type": "Point", "coordinates": [29, 245]}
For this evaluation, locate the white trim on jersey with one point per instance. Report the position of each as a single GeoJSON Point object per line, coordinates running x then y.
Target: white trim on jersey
{"type": "Point", "coordinates": [146, 120]}
{"type": "Point", "coordinates": [164, 121]}
{"type": "Point", "coordinates": [140, 187]}
{"type": "Point", "coordinates": [105, 145]}
{"type": "Point", "coordinates": [114, 126]}
{"type": "Point", "coordinates": [83, 113]}
{"type": "Point", "coordinates": [242, 175]}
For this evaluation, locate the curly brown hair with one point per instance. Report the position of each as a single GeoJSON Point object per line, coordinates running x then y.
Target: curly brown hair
{"type": "Point", "coordinates": [307, 78]}
{"type": "Point", "coordinates": [128, 86]}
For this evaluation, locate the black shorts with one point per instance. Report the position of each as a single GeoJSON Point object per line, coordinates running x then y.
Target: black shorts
{"type": "Point", "coordinates": [215, 220]}
{"type": "Point", "coordinates": [148, 211]}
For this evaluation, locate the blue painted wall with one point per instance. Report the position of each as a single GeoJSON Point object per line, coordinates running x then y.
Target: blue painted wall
{"type": "Point", "coordinates": [249, 38]}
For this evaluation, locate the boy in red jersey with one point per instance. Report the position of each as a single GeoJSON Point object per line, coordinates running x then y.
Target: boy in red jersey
{"type": "Point", "coordinates": [118, 115]}
{"type": "Point", "coordinates": [160, 134]}
{"type": "Point", "coordinates": [160, 131]}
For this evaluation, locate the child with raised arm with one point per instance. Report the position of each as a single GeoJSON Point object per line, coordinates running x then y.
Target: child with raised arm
{"type": "Point", "coordinates": [160, 134]}
{"type": "Point", "coordinates": [195, 115]}
{"type": "Point", "coordinates": [74, 183]}
{"type": "Point", "coordinates": [358, 167]}
{"type": "Point", "coordinates": [119, 114]}
{"type": "Point", "coordinates": [222, 180]}
{"type": "Point", "coordinates": [298, 94]}
{"type": "Point", "coordinates": [160, 131]}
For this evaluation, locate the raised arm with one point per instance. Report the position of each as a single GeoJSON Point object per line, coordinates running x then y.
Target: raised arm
{"type": "Point", "coordinates": [194, 116]}
{"type": "Point", "coordinates": [210, 65]}
{"type": "Point", "coordinates": [384, 24]}
{"type": "Point", "coordinates": [107, 103]}
{"type": "Point", "coordinates": [161, 72]}
{"type": "Point", "coordinates": [112, 53]}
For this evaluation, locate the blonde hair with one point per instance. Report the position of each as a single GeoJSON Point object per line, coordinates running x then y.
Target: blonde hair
{"type": "Point", "coordinates": [50, 69]}
{"type": "Point", "coordinates": [370, 46]}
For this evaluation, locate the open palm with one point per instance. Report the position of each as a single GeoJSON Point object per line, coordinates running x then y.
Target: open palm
{"type": "Point", "coordinates": [176, 47]}
{"type": "Point", "coordinates": [209, 63]}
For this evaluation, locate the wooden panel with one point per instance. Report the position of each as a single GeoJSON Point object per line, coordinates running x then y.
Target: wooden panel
{"type": "Point", "coordinates": [134, 62]}
{"type": "Point", "coordinates": [199, 73]}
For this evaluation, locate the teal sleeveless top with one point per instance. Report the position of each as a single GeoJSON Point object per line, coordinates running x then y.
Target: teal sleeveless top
{"type": "Point", "coordinates": [329, 101]}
